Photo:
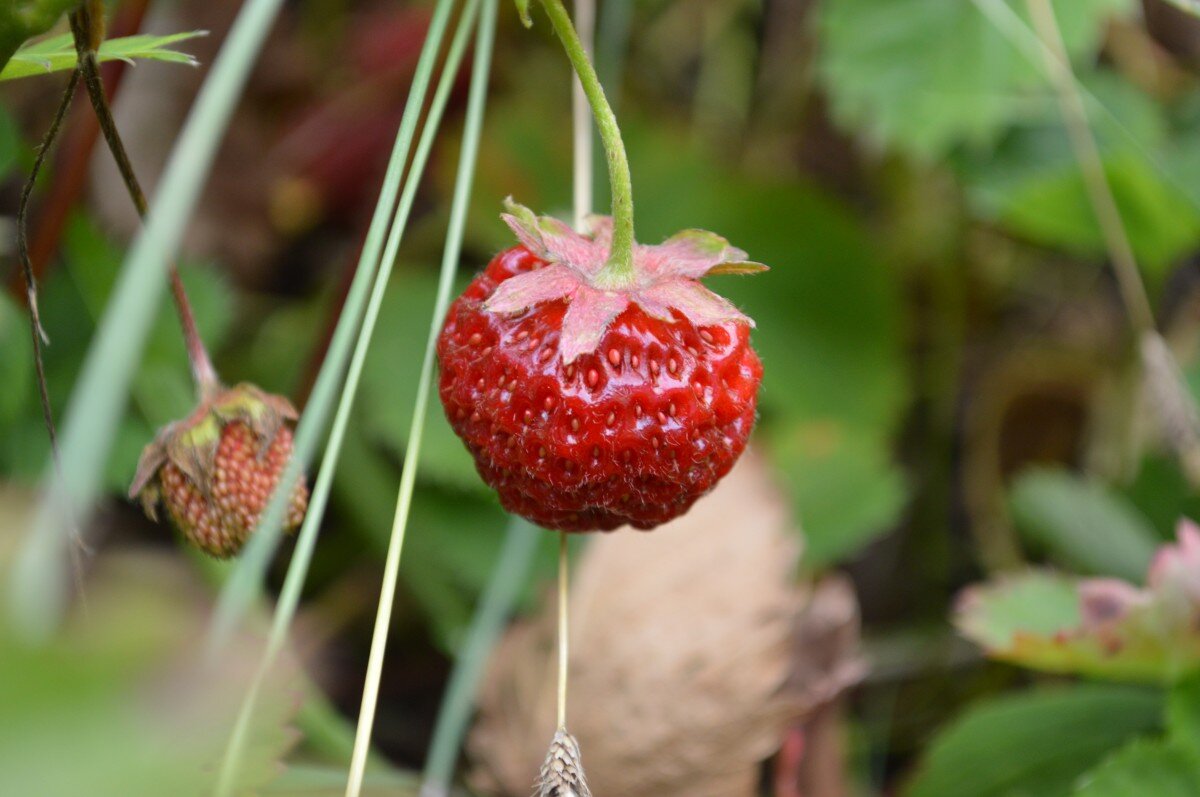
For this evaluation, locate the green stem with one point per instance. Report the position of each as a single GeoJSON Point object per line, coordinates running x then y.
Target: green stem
{"type": "Point", "coordinates": [495, 605]}
{"type": "Point", "coordinates": [618, 271]}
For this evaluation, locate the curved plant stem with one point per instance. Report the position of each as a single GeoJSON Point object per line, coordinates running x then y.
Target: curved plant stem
{"type": "Point", "coordinates": [450, 255]}
{"type": "Point", "coordinates": [618, 271]}
{"type": "Point", "coordinates": [495, 605]}
{"type": "Point", "coordinates": [36, 590]}
{"type": "Point", "coordinates": [36, 332]}
{"type": "Point", "coordinates": [87, 27]}
{"type": "Point", "coordinates": [297, 573]}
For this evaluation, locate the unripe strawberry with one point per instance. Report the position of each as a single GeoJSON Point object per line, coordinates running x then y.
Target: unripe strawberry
{"type": "Point", "coordinates": [215, 470]}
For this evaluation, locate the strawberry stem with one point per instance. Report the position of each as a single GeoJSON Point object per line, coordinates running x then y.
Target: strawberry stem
{"type": "Point", "coordinates": [87, 25]}
{"type": "Point", "coordinates": [618, 271]}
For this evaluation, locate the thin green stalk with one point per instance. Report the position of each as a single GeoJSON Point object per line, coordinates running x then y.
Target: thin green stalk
{"type": "Point", "coordinates": [289, 597]}
{"type": "Point", "coordinates": [581, 121]}
{"type": "Point", "coordinates": [454, 234]}
{"type": "Point", "coordinates": [245, 583]}
{"type": "Point", "coordinates": [1087, 153]}
{"type": "Point", "coordinates": [521, 538]}
{"type": "Point", "coordinates": [618, 271]}
{"type": "Point", "coordinates": [495, 606]}
{"type": "Point", "coordinates": [38, 588]}
{"type": "Point", "coordinates": [1013, 27]}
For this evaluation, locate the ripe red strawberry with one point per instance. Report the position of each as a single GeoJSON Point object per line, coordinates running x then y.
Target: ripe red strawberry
{"type": "Point", "coordinates": [215, 470]}
{"type": "Point", "coordinates": [588, 408]}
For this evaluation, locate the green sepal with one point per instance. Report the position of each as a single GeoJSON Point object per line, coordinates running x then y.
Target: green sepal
{"type": "Point", "coordinates": [523, 11]}
{"type": "Point", "coordinates": [737, 267]}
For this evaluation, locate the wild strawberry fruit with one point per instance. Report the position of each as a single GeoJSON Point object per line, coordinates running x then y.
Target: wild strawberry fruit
{"type": "Point", "coordinates": [590, 406]}
{"type": "Point", "coordinates": [215, 470]}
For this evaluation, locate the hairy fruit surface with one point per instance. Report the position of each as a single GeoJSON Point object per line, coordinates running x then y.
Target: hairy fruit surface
{"type": "Point", "coordinates": [214, 471]}
{"type": "Point", "coordinates": [589, 408]}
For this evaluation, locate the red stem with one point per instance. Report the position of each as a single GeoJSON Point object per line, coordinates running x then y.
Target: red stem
{"type": "Point", "coordinates": [87, 25]}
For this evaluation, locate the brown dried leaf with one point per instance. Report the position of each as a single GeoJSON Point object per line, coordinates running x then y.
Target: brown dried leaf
{"type": "Point", "coordinates": [685, 668]}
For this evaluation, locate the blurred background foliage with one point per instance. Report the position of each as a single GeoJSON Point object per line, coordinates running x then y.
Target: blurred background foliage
{"type": "Point", "coordinates": [952, 389]}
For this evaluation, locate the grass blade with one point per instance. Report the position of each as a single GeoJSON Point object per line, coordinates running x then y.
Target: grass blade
{"type": "Point", "coordinates": [454, 234]}
{"type": "Point", "coordinates": [495, 606]}
{"type": "Point", "coordinates": [298, 567]}
{"type": "Point", "coordinates": [245, 583]}
{"type": "Point", "coordinates": [38, 596]}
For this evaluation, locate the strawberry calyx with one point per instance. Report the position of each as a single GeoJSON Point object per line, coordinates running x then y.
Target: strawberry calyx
{"type": "Point", "coordinates": [664, 280]}
{"type": "Point", "coordinates": [190, 444]}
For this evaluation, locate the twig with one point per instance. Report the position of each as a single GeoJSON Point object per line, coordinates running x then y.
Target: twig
{"type": "Point", "coordinates": [36, 331]}
{"type": "Point", "coordinates": [87, 27]}
{"type": "Point", "coordinates": [75, 153]}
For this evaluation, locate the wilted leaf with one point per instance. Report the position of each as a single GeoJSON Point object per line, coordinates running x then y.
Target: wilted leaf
{"type": "Point", "coordinates": [683, 673]}
{"type": "Point", "coordinates": [1083, 524]}
{"type": "Point", "coordinates": [1102, 627]}
{"type": "Point", "coordinates": [1034, 744]}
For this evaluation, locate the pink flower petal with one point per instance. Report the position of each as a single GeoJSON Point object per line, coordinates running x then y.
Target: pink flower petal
{"type": "Point", "coordinates": [587, 318]}
{"type": "Point", "coordinates": [698, 304]}
{"type": "Point", "coordinates": [534, 287]}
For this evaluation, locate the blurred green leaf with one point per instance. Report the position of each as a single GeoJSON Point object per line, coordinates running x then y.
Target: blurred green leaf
{"type": "Point", "coordinates": [453, 542]}
{"type": "Point", "coordinates": [1183, 716]}
{"type": "Point", "coordinates": [1162, 495]}
{"type": "Point", "coordinates": [844, 484]}
{"type": "Point", "coordinates": [390, 374]}
{"type": "Point", "coordinates": [23, 19]}
{"type": "Point", "coordinates": [1083, 524]}
{"type": "Point", "coordinates": [999, 614]}
{"type": "Point", "coordinates": [57, 53]}
{"type": "Point", "coordinates": [1143, 768]}
{"type": "Point", "coordinates": [1034, 744]}
{"type": "Point", "coordinates": [11, 143]}
{"type": "Point", "coordinates": [924, 75]}
{"type": "Point", "coordinates": [1054, 210]}
{"type": "Point", "coordinates": [120, 703]}
{"type": "Point", "coordinates": [16, 366]}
